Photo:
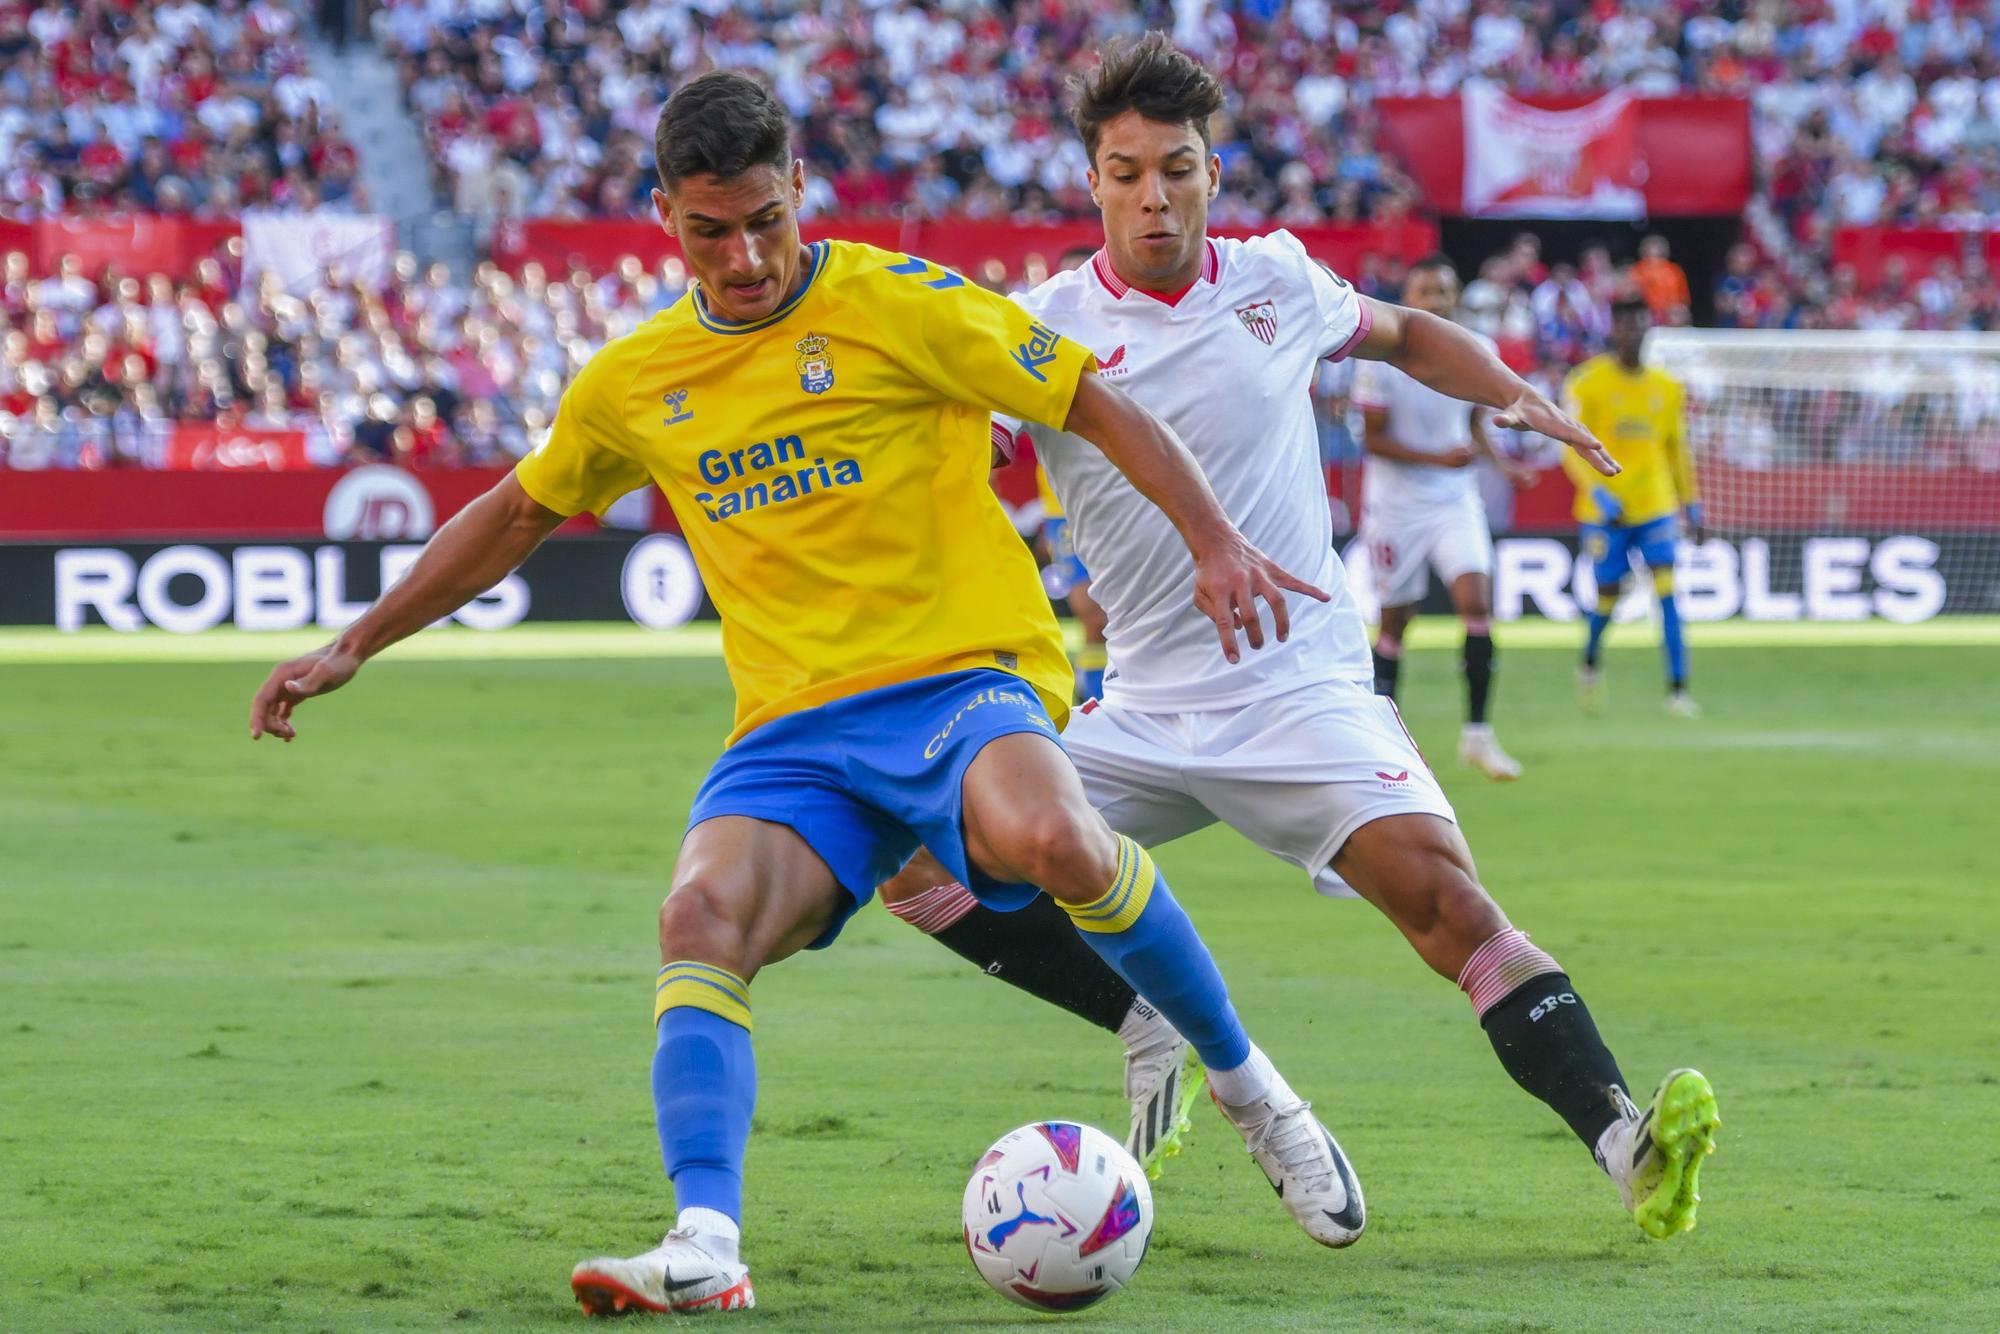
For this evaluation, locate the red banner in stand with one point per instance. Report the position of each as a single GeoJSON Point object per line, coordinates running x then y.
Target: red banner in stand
{"type": "Point", "coordinates": [965, 244]}
{"type": "Point", "coordinates": [135, 244]}
{"type": "Point", "coordinates": [1869, 249]}
{"type": "Point", "coordinates": [1695, 150]}
{"type": "Point", "coordinates": [206, 448]}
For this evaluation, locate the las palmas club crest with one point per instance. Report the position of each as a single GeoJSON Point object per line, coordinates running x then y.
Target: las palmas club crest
{"type": "Point", "coordinates": [1260, 318]}
{"type": "Point", "coordinates": [815, 366]}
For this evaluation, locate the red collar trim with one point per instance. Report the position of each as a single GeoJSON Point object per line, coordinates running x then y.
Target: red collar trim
{"type": "Point", "coordinates": [1211, 270]}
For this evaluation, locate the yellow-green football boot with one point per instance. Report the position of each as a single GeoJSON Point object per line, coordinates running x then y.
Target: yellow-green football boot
{"type": "Point", "coordinates": [1655, 1156]}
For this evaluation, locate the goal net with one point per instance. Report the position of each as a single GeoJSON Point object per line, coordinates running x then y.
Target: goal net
{"type": "Point", "coordinates": [1843, 475]}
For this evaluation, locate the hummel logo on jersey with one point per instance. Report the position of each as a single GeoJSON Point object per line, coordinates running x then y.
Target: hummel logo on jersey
{"type": "Point", "coordinates": [1038, 351]}
{"type": "Point", "coordinates": [1261, 319]}
{"type": "Point", "coordinates": [1113, 366]}
{"type": "Point", "coordinates": [676, 404]}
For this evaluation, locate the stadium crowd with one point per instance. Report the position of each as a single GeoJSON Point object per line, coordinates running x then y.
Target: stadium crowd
{"type": "Point", "coordinates": [164, 106]}
{"type": "Point", "coordinates": [1866, 111]}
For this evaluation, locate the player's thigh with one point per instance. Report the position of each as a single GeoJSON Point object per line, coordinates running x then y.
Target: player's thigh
{"type": "Point", "coordinates": [1658, 542]}
{"type": "Point", "coordinates": [1027, 821]}
{"type": "Point", "coordinates": [1398, 558]}
{"type": "Point", "coordinates": [1131, 773]}
{"type": "Point", "coordinates": [1303, 771]}
{"type": "Point", "coordinates": [746, 892]}
{"type": "Point", "coordinates": [1609, 550]}
{"type": "Point", "coordinates": [1462, 555]}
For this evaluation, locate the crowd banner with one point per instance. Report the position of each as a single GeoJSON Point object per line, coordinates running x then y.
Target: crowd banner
{"type": "Point", "coordinates": [1524, 162]}
{"type": "Point", "coordinates": [1691, 154]}
{"type": "Point", "coordinates": [138, 243]}
{"type": "Point", "coordinates": [302, 248]}
{"type": "Point", "coordinates": [204, 447]}
{"type": "Point", "coordinates": [1868, 250]}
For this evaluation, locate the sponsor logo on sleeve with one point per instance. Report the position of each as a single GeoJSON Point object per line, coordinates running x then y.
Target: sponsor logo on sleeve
{"type": "Point", "coordinates": [1038, 351]}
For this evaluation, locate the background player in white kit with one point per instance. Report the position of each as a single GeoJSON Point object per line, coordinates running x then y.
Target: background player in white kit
{"type": "Point", "coordinates": [1421, 511]}
{"type": "Point", "coordinates": [1290, 746]}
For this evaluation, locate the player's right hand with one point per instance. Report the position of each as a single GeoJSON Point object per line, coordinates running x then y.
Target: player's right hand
{"type": "Point", "coordinates": [1460, 456]}
{"type": "Point", "coordinates": [1230, 576]}
{"type": "Point", "coordinates": [320, 672]}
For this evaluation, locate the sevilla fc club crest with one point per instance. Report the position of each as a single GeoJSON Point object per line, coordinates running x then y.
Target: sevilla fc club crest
{"type": "Point", "coordinates": [1260, 318]}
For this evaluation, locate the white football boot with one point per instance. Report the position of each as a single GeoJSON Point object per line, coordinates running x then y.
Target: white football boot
{"type": "Point", "coordinates": [1680, 704]}
{"type": "Point", "coordinates": [1162, 1076]}
{"type": "Point", "coordinates": [1590, 690]}
{"type": "Point", "coordinates": [1302, 1162]}
{"type": "Point", "coordinates": [676, 1276]}
{"type": "Point", "coordinates": [1478, 749]}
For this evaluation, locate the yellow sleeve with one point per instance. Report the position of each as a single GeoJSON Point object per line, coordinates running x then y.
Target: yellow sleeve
{"type": "Point", "coordinates": [1577, 403]}
{"type": "Point", "coordinates": [582, 465]}
{"type": "Point", "coordinates": [1673, 438]}
{"type": "Point", "coordinates": [972, 346]}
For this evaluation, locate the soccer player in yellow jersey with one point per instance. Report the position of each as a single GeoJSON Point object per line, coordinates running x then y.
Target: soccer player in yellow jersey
{"type": "Point", "coordinates": [1636, 410]}
{"type": "Point", "coordinates": [1065, 577]}
{"type": "Point", "coordinates": [819, 418]}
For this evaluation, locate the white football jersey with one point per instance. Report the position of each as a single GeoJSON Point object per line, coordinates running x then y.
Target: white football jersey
{"type": "Point", "coordinates": [1422, 419]}
{"type": "Point", "coordinates": [1229, 365]}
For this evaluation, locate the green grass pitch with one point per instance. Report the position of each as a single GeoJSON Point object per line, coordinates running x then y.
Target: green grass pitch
{"type": "Point", "coordinates": [353, 1034]}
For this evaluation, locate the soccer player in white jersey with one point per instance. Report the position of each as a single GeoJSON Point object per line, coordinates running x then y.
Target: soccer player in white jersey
{"type": "Point", "coordinates": [1292, 747]}
{"type": "Point", "coordinates": [1421, 511]}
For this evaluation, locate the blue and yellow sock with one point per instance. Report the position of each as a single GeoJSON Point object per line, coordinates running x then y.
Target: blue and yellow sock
{"type": "Point", "coordinates": [1673, 640]}
{"type": "Point", "coordinates": [704, 1083]}
{"type": "Point", "coordinates": [1139, 930]}
{"type": "Point", "coordinates": [1607, 602]}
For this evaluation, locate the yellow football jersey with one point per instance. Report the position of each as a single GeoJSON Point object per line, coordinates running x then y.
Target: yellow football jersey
{"type": "Point", "coordinates": [1637, 414]}
{"type": "Point", "coordinates": [1051, 507]}
{"type": "Point", "coordinates": [828, 465]}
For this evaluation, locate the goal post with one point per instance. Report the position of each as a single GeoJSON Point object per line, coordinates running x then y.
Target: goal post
{"type": "Point", "coordinates": [1843, 475]}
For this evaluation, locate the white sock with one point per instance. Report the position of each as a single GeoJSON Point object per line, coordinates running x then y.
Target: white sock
{"type": "Point", "coordinates": [1478, 729]}
{"type": "Point", "coordinates": [716, 1231]}
{"type": "Point", "coordinates": [1144, 1026]}
{"type": "Point", "coordinates": [1247, 1082]}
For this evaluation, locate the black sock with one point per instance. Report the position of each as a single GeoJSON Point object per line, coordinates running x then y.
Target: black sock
{"type": "Point", "coordinates": [1478, 663]}
{"type": "Point", "coordinates": [1038, 950]}
{"type": "Point", "coordinates": [1385, 674]}
{"type": "Point", "coordinates": [1545, 1036]}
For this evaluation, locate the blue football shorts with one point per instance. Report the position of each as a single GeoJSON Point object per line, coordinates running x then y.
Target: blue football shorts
{"type": "Point", "coordinates": [864, 780]}
{"type": "Point", "coordinates": [1610, 547]}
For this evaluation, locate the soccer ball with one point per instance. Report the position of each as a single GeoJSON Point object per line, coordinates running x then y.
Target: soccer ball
{"type": "Point", "coordinates": [1057, 1216]}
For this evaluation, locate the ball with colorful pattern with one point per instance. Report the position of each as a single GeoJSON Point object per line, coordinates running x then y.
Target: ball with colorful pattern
{"type": "Point", "coordinates": [1057, 1216]}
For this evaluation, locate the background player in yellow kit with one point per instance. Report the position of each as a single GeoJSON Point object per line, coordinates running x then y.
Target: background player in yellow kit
{"type": "Point", "coordinates": [819, 418]}
{"type": "Point", "coordinates": [1636, 410]}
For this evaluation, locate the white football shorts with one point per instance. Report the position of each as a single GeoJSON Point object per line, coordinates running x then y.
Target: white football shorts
{"type": "Point", "coordinates": [1295, 774]}
{"type": "Point", "coordinates": [1404, 546]}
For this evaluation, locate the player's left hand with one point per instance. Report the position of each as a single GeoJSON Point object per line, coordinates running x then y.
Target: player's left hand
{"type": "Point", "coordinates": [1229, 577]}
{"type": "Point", "coordinates": [1532, 411]}
{"type": "Point", "coordinates": [1519, 475]}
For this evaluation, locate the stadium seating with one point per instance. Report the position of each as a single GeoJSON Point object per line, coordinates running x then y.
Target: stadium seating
{"type": "Point", "coordinates": [1867, 118]}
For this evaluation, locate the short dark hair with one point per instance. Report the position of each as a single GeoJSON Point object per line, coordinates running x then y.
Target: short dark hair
{"type": "Point", "coordinates": [721, 124]}
{"type": "Point", "coordinates": [1150, 76]}
{"type": "Point", "coordinates": [1625, 307]}
{"type": "Point", "coordinates": [1436, 261]}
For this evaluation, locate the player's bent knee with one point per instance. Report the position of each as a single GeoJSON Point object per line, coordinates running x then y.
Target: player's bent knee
{"type": "Point", "coordinates": [1071, 854]}
{"type": "Point", "coordinates": [698, 921]}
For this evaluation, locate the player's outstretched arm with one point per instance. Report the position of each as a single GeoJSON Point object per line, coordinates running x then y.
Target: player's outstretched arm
{"type": "Point", "coordinates": [1449, 359]}
{"type": "Point", "coordinates": [482, 545]}
{"type": "Point", "coordinates": [1229, 573]}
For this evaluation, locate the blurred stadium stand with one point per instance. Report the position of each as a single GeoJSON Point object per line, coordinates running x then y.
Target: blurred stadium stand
{"type": "Point", "coordinates": [160, 189]}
